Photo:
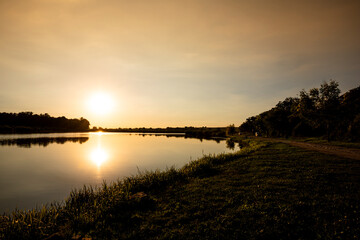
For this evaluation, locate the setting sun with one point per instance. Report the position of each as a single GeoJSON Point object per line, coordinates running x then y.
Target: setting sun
{"type": "Point", "coordinates": [101, 103]}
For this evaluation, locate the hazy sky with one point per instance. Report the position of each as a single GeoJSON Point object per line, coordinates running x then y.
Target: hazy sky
{"type": "Point", "coordinates": [172, 62]}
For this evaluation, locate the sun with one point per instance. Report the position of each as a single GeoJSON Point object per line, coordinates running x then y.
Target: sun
{"type": "Point", "coordinates": [101, 103]}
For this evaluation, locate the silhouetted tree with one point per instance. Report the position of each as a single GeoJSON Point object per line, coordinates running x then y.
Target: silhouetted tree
{"type": "Point", "coordinates": [321, 111]}
{"type": "Point", "coordinates": [231, 130]}
{"type": "Point", "coordinates": [329, 106]}
{"type": "Point", "coordinates": [27, 122]}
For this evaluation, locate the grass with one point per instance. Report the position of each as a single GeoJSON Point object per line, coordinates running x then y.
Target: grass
{"type": "Point", "coordinates": [319, 140]}
{"type": "Point", "coordinates": [265, 191]}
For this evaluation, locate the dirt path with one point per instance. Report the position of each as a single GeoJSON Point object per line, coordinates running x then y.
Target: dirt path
{"type": "Point", "coordinates": [351, 153]}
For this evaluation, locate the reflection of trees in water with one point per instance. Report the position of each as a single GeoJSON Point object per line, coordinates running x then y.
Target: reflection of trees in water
{"type": "Point", "coordinates": [29, 142]}
{"type": "Point", "coordinates": [216, 139]}
{"type": "Point", "coordinates": [230, 143]}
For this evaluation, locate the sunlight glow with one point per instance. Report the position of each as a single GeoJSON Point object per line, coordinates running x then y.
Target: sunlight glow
{"type": "Point", "coordinates": [99, 156]}
{"type": "Point", "coordinates": [101, 103]}
{"type": "Point", "coordinates": [99, 133]}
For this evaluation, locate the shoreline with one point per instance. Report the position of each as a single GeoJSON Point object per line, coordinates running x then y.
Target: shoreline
{"type": "Point", "coordinates": [266, 190]}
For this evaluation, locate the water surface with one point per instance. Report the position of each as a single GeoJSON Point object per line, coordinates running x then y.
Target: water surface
{"type": "Point", "coordinates": [40, 168]}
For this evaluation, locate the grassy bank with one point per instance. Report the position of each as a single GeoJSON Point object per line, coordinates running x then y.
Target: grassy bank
{"type": "Point", "coordinates": [265, 191]}
{"type": "Point", "coordinates": [326, 142]}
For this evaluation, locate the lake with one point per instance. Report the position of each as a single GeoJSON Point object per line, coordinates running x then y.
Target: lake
{"type": "Point", "coordinates": [36, 169]}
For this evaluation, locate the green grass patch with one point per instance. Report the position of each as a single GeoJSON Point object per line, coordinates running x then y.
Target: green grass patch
{"type": "Point", "coordinates": [264, 191]}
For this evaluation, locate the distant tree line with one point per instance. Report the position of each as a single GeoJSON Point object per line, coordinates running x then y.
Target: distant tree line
{"type": "Point", "coordinates": [320, 112]}
{"type": "Point", "coordinates": [193, 132]}
{"type": "Point", "coordinates": [28, 122]}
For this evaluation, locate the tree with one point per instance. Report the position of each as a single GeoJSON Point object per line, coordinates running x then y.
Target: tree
{"type": "Point", "coordinates": [318, 112]}
{"type": "Point", "coordinates": [231, 130]}
{"type": "Point", "coordinates": [329, 102]}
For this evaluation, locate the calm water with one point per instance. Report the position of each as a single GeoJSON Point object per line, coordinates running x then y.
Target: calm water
{"type": "Point", "coordinates": [41, 168]}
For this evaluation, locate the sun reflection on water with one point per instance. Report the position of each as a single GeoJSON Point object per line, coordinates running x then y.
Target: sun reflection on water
{"type": "Point", "coordinates": [99, 156]}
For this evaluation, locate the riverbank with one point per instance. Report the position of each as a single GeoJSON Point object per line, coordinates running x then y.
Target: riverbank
{"type": "Point", "coordinates": [266, 191]}
{"type": "Point", "coordinates": [341, 149]}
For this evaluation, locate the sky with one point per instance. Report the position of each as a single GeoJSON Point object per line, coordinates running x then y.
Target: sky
{"type": "Point", "coordinates": [172, 62]}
